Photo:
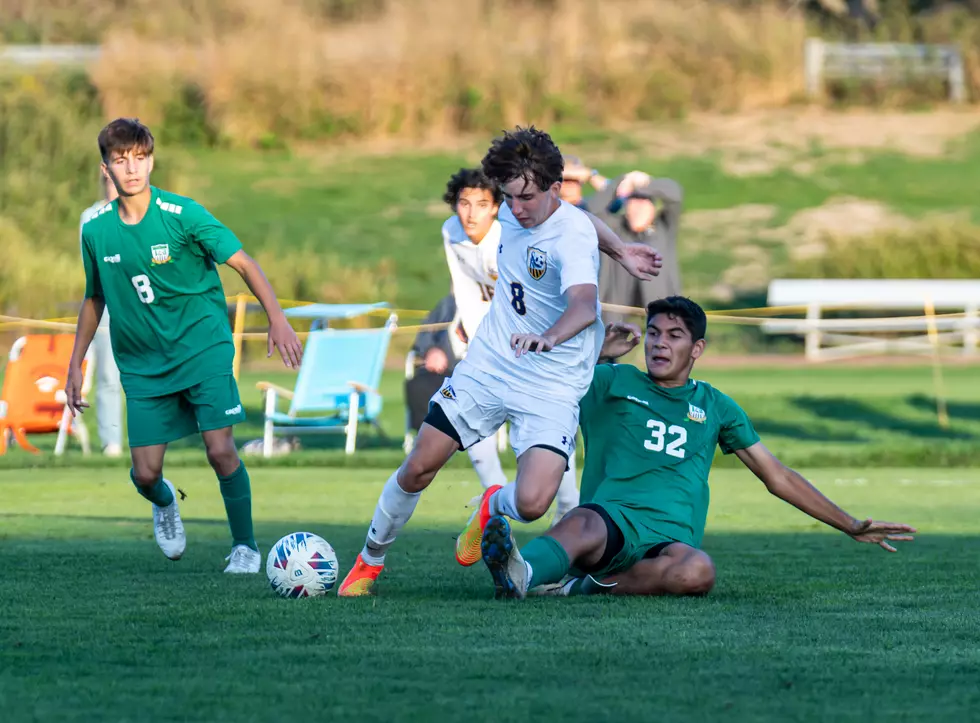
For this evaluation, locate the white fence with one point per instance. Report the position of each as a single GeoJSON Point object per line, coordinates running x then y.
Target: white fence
{"type": "Point", "coordinates": [888, 61]}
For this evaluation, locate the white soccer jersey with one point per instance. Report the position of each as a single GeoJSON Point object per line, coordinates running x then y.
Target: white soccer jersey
{"type": "Point", "coordinates": [473, 270]}
{"type": "Point", "coordinates": [535, 267]}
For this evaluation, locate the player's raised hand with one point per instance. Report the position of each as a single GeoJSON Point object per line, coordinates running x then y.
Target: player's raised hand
{"type": "Point", "coordinates": [641, 261]}
{"type": "Point", "coordinates": [73, 391]}
{"type": "Point", "coordinates": [283, 338]}
{"type": "Point", "coordinates": [525, 343]}
{"type": "Point", "coordinates": [881, 533]}
{"type": "Point", "coordinates": [621, 338]}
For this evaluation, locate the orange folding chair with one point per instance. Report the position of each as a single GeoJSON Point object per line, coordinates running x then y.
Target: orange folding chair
{"type": "Point", "coordinates": [32, 400]}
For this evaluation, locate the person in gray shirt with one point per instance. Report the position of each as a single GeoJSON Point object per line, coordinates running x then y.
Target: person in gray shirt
{"type": "Point", "coordinates": [108, 387]}
{"type": "Point", "coordinates": [646, 210]}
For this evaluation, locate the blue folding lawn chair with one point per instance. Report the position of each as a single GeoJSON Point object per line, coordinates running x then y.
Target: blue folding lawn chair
{"type": "Point", "coordinates": [337, 386]}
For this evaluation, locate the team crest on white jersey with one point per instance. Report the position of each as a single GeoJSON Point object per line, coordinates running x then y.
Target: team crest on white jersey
{"type": "Point", "coordinates": [160, 254]}
{"type": "Point", "coordinates": [696, 414]}
{"type": "Point", "coordinates": [448, 392]}
{"type": "Point", "coordinates": [537, 263]}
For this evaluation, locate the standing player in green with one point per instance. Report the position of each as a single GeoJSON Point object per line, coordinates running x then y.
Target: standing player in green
{"type": "Point", "coordinates": [649, 443]}
{"type": "Point", "coordinates": [151, 259]}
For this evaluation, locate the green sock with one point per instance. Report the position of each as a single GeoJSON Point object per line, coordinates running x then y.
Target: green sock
{"type": "Point", "coordinates": [237, 494]}
{"type": "Point", "coordinates": [548, 560]}
{"type": "Point", "coordinates": [159, 494]}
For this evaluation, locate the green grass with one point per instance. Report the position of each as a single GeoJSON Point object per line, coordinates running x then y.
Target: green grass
{"type": "Point", "coordinates": [364, 209]}
{"type": "Point", "coordinates": [803, 624]}
{"type": "Point", "coordinates": [812, 416]}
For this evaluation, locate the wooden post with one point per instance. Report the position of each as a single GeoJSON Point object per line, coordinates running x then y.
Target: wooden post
{"type": "Point", "coordinates": [812, 339]}
{"type": "Point", "coordinates": [937, 369]}
{"type": "Point", "coordinates": [240, 307]}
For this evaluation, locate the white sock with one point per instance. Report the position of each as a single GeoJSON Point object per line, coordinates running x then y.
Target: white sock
{"type": "Point", "coordinates": [395, 507]}
{"type": "Point", "coordinates": [567, 496]}
{"type": "Point", "coordinates": [486, 462]}
{"type": "Point", "coordinates": [504, 502]}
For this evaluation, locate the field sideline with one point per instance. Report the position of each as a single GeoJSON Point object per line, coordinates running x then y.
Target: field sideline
{"type": "Point", "coordinates": [804, 624]}
{"type": "Point", "coordinates": [810, 415]}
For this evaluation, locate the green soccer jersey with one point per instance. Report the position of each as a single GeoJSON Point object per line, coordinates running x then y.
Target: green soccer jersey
{"type": "Point", "coordinates": [159, 279]}
{"type": "Point", "coordinates": [648, 449]}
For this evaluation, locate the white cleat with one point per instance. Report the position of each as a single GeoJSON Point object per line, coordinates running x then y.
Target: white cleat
{"type": "Point", "coordinates": [243, 560]}
{"type": "Point", "coordinates": [168, 530]}
{"type": "Point", "coordinates": [554, 589]}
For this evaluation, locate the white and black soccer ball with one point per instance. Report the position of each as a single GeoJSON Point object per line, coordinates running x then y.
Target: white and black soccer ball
{"type": "Point", "coordinates": [302, 564]}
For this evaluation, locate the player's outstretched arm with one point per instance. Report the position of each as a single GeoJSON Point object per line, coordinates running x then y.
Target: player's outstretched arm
{"type": "Point", "coordinates": [580, 313]}
{"type": "Point", "coordinates": [281, 334]}
{"type": "Point", "coordinates": [792, 487]}
{"type": "Point", "coordinates": [89, 316]}
{"type": "Point", "coordinates": [640, 260]}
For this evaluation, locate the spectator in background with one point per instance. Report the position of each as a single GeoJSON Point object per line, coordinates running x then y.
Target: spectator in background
{"type": "Point", "coordinates": [108, 387]}
{"type": "Point", "coordinates": [573, 181]}
{"type": "Point", "coordinates": [646, 210]}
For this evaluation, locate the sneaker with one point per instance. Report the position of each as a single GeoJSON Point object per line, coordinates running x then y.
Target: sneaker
{"type": "Point", "coordinates": [468, 542]}
{"type": "Point", "coordinates": [360, 580]}
{"type": "Point", "coordinates": [243, 560]}
{"type": "Point", "coordinates": [504, 560]}
{"type": "Point", "coordinates": [168, 530]}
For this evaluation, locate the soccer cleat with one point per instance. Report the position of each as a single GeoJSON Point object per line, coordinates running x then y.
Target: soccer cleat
{"type": "Point", "coordinates": [360, 580]}
{"type": "Point", "coordinates": [243, 560]}
{"type": "Point", "coordinates": [168, 530]}
{"type": "Point", "coordinates": [563, 588]}
{"type": "Point", "coordinates": [504, 560]}
{"type": "Point", "coordinates": [468, 542]}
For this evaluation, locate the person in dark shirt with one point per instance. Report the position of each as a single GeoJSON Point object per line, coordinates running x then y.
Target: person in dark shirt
{"type": "Point", "coordinates": [640, 209]}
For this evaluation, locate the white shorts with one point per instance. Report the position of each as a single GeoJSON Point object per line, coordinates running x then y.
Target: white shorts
{"type": "Point", "coordinates": [477, 405]}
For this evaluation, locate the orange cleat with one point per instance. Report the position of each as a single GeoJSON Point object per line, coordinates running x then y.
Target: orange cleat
{"type": "Point", "coordinates": [360, 580]}
{"type": "Point", "coordinates": [468, 543]}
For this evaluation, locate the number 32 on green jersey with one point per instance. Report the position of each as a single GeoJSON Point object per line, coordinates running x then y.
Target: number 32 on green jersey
{"type": "Point", "coordinates": [660, 431]}
{"type": "Point", "coordinates": [143, 288]}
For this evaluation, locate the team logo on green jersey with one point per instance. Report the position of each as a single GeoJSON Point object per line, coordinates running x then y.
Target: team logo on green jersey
{"type": "Point", "coordinates": [537, 263]}
{"type": "Point", "coordinates": [160, 254]}
{"type": "Point", "coordinates": [696, 414]}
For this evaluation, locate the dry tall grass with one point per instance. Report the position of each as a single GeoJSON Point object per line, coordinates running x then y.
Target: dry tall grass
{"type": "Point", "coordinates": [430, 67]}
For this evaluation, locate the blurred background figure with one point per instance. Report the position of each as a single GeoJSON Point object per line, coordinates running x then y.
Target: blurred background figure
{"type": "Point", "coordinates": [574, 178]}
{"type": "Point", "coordinates": [646, 210]}
{"type": "Point", "coordinates": [108, 387]}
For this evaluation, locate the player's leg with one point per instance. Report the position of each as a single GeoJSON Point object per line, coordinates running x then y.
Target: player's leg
{"type": "Point", "coordinates": [108, 394]}
{"type": "Point", "coordinates": [486, 462]}
{"type": "Point", "coordinates": [399, 497]}
{"type": "Point", "coordinates": [217, 406]}
{"type": "Point", "coordinates": [668, 569]}
{"type": "Point", "coordinates": [465, 410]}
{"type": "Point", "coordinates": [543, 437]}
{"type": "Point", "coordinates": [151, 425]}
{"type": "Point", "coordinates": [567, 498]}
{"type": "Point", "coordinates": [581, 539]}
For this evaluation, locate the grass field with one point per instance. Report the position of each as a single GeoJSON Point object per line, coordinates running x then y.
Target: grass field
{"type": "Point", "coordinates": [803, 625]}
{"type": "Point", "coordinates": [812, 416]}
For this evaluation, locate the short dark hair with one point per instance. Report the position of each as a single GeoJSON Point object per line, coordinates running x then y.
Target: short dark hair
{"type": "Point", "coordinates": [524, 153]}
{"type": "Point", "coordinates": [680, 307]}
{"type": "Point", "coordinates": [124, 134]}
{"type": "Point", "coordinates": [470, 178]}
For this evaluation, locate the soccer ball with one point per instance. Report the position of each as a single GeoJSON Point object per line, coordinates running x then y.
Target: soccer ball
{"type": "Point", "coordinates": [302, 565]}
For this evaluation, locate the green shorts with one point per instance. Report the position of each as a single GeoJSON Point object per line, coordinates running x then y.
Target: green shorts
{"type": "Point", "coordinates": [211, 404]}
{"type": "Point", "coordinates": [628, 540]}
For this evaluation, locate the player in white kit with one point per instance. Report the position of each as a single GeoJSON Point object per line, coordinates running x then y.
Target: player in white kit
{"type": "Point", "coordinates": [471, 237]}
{"type": "Point", "coordinates": [530, 361]}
